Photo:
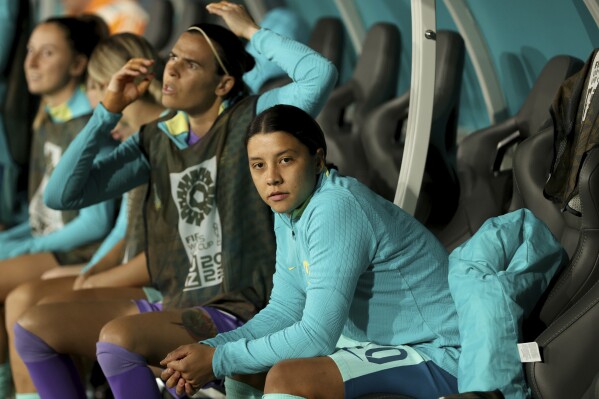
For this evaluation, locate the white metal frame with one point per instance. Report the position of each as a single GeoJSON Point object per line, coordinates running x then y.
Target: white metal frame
{"type": "Point", "coordinates": [480, 56]}
{"type": "Point", "coordinates": [421, 105]}
{"type": "Point", "coordinates": [353, 23]}
{"type": "Point", "coordinates": [593, 7]}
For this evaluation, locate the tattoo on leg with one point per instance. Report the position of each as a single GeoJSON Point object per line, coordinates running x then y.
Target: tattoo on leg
{"type": "Point", "coordinates": [198, 324]}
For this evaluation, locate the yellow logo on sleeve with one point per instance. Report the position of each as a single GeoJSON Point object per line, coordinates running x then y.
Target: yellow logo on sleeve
{"type": "Point", "coordinates": [307, 269]}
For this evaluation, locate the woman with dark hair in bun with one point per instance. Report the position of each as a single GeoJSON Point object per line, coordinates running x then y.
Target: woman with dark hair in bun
{"type": "Point", "coordinates": [360, 302]}
{"type": "Point", "coordinates": [209, 236]}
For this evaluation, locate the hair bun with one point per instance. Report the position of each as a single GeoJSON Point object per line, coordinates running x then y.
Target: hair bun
{"type": "Point", "coordinates": [83, 32]}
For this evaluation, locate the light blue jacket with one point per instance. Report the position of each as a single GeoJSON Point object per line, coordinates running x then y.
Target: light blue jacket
{"type": "Point", "coordinates": [348, 262]}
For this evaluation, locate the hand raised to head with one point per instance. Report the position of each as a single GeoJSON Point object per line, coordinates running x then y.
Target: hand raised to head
{"type": "Point", "coordinates": [128, 84]}
{"type": "Point", "coordinates": [236, 17]}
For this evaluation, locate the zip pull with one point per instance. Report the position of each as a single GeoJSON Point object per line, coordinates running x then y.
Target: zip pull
{"type": "Point", "coordinates": [292, 229]}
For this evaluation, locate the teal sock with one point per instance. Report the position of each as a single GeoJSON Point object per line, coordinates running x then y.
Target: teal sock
{"type": "Point", "coordinates": [280, 396]}
{"type": "Point", "coordinates": [27, 396]}
{"type": "Point", "coordinates": [5, 380]}
{"type": "Point", "coordinates": [237, 389]}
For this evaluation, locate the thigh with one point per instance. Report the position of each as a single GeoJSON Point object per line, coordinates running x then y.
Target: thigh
{"type": "Point", "coordinates": [370, 368]}
{"type": "Point", "coordinates": [28, 294]}
{"type": "Point", "coordinates": [152, 335]}
{"type": "Point", "coordinates": [95, 294]}
{"type": "Point", "coordinates": [74, 327]}
{"type": "Point", "coordinates": [316, 377]}
{"type": "Point", "coordinates": [20, 269]}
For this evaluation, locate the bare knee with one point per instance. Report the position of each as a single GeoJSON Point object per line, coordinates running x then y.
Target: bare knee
{"type": "Point", "coordinates": [316, 377]}
{"type": "Point", "coordinates": [119, 332]}
{"type": "Point", "coordinates": [256, 381]}
{"type": "Point", "coordinates": [18, 301]}
{"type": "Point", "coordinates": [281, 379]}
{"type": "Point", "coordinates": [35, 320]}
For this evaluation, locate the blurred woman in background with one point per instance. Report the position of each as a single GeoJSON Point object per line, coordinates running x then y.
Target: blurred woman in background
{"type": "Point", "coordinates": [57, 55]}
{"type": "Point", "coordinates": [125, 244]}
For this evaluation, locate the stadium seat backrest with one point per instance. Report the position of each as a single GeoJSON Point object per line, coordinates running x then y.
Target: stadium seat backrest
{"type": "Point", "coordinates": [160, 25]}
{"type": "Point", "coordinates": [565, 323]}
{"type": "Point", "coordinates": [384, 143]}
{"type": "Point", "coordinates": [372, 83]}
{"type": "Point", "coordinates": [486, 185]}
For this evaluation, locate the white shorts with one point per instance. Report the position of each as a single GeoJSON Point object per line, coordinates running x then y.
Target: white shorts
{"type": "Point", "coordinates": [370, 368]}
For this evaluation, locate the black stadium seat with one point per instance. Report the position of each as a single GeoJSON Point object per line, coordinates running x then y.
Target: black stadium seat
{"type": "Point", "coordinates": [18, 109]}
{"type": "Point", "coordinates": [18, 103]}
{"type": "Point", "coordinates": [327, 38]}
{"type": "Point", "coordinates": [384, 143]}
{"type": "Point", "coordinates": [160, 25]}
{"type": "Point", "coordinates": [566, 325]}
{"type": "Point", "coordinates": [192, 12]}
{"type": "Point", "coordinates": [372, 83]}
{"type": "Point", "coordinates": [485, 188]}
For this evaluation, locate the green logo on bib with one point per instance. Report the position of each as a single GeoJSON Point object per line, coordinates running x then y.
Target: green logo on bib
{"type": "Point", "coordinates": [195, 194]}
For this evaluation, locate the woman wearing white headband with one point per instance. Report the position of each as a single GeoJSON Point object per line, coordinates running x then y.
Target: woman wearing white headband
{"type": "Point", "coordinates": [209, 236]}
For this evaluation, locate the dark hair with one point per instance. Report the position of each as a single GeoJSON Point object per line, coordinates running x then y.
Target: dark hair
{"type": "Point", "coordinates": [292, 120]}
{"type": "Point", "coordinates": [83, 33]}
{"type": "Point", "coordinates": [232, 52]}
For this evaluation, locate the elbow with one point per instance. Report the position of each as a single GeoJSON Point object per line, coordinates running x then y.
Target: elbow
{"type": "Point", "coordinates": [53, 200]}
{"type": "Point", "coordinates": [327, 348]}
{"type": "Point", "coordinates": [59, 202]}
{"type": "Point", "coordinates": [330, 75]}
{"type": "Point", "coordinates": [322, 344]}
{"type": "Point", "coordinates": [320, 348]}
{"type": "Point", "coordinates": [60, 197]}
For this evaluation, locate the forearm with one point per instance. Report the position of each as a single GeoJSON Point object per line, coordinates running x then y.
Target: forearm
{"type": "Point", "coordinates": [267, 321]}
{"type": "Point", "coordinates": [22, 230]}
{"type": "Point", "coordinates": [113, 245]}
{"type": "Point", "coordinates": [82, 178]}
{"type": "Point", "coordinates": [92, 224]}
{"type": "Point", "coordinates": [315, 334]}
{"type": "Point", "coordinates": [313, 75]}
{"type": "Point", "coordinates": [277, 314]}
{"type": "Point", "coordinates": [286, 23]}
{"type": "Point", "coordinates": [246, 356]}
{"type": "Point", "coordinates": [111, 259]}
{"type": "Point", "coordinates": [131, 274]}
{"type": "Point", "coordinates": [285, 320]}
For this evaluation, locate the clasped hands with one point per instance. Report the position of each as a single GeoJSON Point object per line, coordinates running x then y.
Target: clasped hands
{"type": "Point", "coordinates": [188, 368]}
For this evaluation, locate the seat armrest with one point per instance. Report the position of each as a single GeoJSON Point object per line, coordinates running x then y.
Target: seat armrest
{"type": "Point", "coordinates": [479, 149]}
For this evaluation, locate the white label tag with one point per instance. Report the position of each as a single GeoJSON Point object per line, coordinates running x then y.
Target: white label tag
{"type": "Point", "coordinates": [529, 352]}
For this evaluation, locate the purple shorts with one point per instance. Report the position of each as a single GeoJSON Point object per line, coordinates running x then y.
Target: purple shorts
{"type": "Point", "coordinates": [223, 321]}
